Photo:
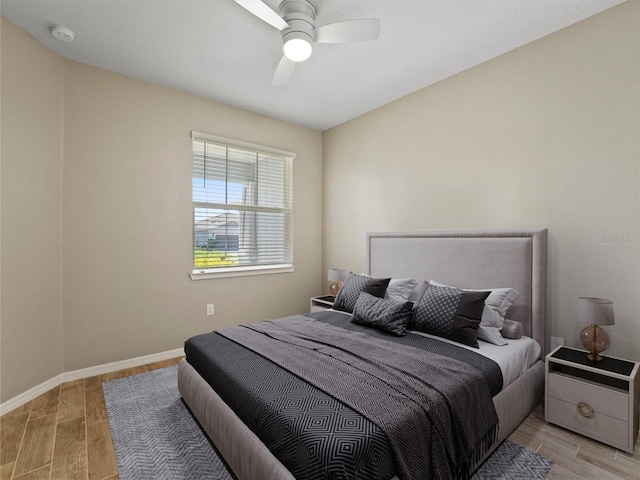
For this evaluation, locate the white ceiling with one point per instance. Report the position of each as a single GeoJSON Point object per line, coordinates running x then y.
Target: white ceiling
{"type": "Point", "coordinates": [218, 50]}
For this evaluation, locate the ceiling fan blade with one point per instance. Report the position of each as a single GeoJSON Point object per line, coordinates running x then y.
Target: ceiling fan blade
{"type": "Point", "coordinates": [263, 12]}
{"type": "Point", "coordinates": [283, 72]}
{"type": "Point", "coordinates": [349, 31]}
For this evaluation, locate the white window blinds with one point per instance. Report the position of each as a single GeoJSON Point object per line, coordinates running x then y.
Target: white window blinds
{"type": "Point", "coordinates": [242, 205]}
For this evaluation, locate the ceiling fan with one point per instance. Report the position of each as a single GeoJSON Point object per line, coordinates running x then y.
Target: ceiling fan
{"type": "Point", "coordinates": [296, 21]}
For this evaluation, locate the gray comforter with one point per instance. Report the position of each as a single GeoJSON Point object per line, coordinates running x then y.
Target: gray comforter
{"type": "Point", "coordinates": [421, 403]}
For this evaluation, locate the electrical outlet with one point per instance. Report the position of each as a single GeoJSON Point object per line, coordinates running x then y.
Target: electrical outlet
{"type": "Point", "coordinates": [556, 342]}
{"type": "Point", "coordinates": [210, 309]}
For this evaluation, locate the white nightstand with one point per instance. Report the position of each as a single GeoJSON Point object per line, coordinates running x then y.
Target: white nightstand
{"type": "Point", "coordinates": [323, 302]}
{"type": "Point", "coordinates": [596, 399]}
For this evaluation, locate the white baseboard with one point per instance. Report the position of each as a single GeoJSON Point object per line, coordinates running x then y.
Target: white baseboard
{"type": "Point", "coordinates": [32, 393]}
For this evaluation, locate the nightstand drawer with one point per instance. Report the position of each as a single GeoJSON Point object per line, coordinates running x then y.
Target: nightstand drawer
{"type": "Point", "coordinates": [599, 426]}
{"type": "Point", "coordinates": [603, 400]}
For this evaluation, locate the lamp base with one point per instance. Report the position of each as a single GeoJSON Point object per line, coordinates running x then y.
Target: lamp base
{"type": "Point", "coordinates": [334, 288]}
{"type": "Point", "coordinates": [594, 357]}
{"type": "Point", "coordinates": [596, 340]}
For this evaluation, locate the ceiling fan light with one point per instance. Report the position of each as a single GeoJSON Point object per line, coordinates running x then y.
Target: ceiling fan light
{"type": "Point", "coordinates": [297, 49]}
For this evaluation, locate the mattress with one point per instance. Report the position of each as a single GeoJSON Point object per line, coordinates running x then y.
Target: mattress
{"type": "Point", "coordinates": [374, 460]}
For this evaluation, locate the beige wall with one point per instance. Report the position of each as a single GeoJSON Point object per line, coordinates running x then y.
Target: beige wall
{"type": "Point", "coordinates": [31, 262]}
{"type": "Point", "coordinates": [127, 219]}
{"type": "Point", "coordinates": [544, 136]}
{"type": "Point", "coordinates": [96, 217]}
{"type": "Point", "coordinates": [96, 228]}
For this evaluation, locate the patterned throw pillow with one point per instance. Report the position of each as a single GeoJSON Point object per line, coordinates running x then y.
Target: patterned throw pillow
{"type": "Point", "coordinates": [494, 312]}
{"type": "Point", "coordinates": [382, 313]}
{"type": "Point", "coordinates": [354, 286]}
{"type": "Point", "coordinates": [450, 313]}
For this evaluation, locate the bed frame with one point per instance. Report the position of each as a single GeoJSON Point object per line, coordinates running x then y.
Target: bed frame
{"type": "Point", "coordinates": [466, 259]}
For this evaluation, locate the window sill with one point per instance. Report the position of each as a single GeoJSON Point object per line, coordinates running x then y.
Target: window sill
{"type": "Point", "coordinates": [240, 271]}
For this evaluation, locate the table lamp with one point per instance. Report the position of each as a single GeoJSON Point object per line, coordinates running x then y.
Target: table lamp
{"type": "Point", "coordinates": [596, 312]}
{"type": "Point", "coordinates": [336, 276]}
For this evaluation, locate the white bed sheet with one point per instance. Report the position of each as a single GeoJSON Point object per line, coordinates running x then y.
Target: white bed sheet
{"type": "Point", "coordinates": [514, 359]}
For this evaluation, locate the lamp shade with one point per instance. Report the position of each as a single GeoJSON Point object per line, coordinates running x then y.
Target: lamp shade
{"type": "Point", "coordinates": [337, 275]}
{"type": "Point", "coordinates": [597, 311]}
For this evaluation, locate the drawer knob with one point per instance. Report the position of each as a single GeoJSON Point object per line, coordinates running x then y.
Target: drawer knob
{"type": "Point", "coordinates": [585, 409]}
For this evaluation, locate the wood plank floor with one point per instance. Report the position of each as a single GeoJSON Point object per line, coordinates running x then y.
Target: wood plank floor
{"type": "Point", "coordinates": [64, 434]}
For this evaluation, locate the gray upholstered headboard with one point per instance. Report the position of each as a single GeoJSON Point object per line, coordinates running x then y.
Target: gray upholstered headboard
{"type": "Point", "coordinates": [472, 259]}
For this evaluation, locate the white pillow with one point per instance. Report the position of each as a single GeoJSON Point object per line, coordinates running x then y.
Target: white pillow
{"type": "Point", "coordinates": [399, 288]}
{"type": "Point", "coordinates": [488, 330]}
{"type": "Point", "coordinates": [495, 309]}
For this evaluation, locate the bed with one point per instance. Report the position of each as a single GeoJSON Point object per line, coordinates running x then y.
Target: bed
{"type": "Point", "coordinates": [467, 260]}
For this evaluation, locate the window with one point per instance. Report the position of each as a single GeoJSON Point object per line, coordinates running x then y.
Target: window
{"type": "Point", "coordinates": [242, 208]}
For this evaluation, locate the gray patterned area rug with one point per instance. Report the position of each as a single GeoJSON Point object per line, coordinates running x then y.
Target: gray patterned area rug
{"type": "Point", "coordinates": [512, 462]}
{"type": "Point", "coordinates": [156, 438]}
{"type": "Point", "coordinates": [154, 435]}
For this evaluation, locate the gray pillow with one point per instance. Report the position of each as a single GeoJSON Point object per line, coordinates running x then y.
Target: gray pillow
{"type": "Point", "coordinates": [382, 313]}
{"type": "Point", "coordinates": [398, 289]}
{"type": "Point", "coordinates": [512, 329]}
{"type": "Point", "coordinates": [416, 294]}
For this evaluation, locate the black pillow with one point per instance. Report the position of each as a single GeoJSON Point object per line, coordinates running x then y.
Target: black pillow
{"type": "Point", "coordinates": [353, 286]}
{"type": "Point", "coordinates": [450, 313]}
{"type": "Point", "coordinates": [377, 287]}
{"type": "Point", "coordinates": [384, 314]}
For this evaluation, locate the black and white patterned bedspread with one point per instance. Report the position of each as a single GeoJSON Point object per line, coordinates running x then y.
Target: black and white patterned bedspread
{"type": "Point", "coordinates": [314, 435]}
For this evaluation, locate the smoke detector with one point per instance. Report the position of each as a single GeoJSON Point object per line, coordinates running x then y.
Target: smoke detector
{"type": "Point", "coordinates": [63, 33]}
